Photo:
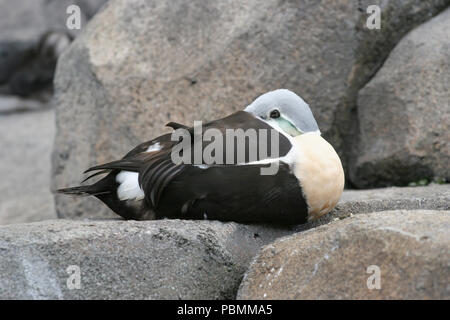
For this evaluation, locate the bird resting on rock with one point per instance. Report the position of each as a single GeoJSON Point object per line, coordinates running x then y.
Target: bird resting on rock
{"type": "Point", "coordinates": [307, 183]}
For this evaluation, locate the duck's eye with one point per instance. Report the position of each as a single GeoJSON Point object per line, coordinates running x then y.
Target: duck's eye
{"type": "Point", "coordinates": [275, 114]}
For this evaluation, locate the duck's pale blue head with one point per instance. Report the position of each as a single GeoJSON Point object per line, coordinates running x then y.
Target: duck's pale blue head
{"type": "Point", "coordinates": [284, 109]}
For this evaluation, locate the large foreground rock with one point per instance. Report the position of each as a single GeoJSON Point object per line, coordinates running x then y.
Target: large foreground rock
{"type": "Point", "coordinates": [140, 64]}
{"type": "Point", "coordinates": [26, 141]}
{"type": "Point", "coordinates": [166, 259]}
{"type": "Point", "coordinates": [404, 112]}
{"type": "Point", "coordinates": [410, 249]}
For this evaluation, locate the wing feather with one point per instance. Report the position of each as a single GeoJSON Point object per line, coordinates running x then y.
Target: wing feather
{"type": "Point", "coordinates": [156, 169]}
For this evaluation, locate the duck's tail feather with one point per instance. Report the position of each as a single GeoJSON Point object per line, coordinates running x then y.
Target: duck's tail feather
{"type": "Point", "coordinates": [91, 190]}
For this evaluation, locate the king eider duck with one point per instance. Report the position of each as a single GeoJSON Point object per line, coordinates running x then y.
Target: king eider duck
{"type": "Point", "coordinates": [307, 182]}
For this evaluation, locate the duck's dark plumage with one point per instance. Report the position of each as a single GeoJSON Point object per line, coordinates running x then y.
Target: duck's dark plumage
{"type": "Point", "coordinates": [223, 192]}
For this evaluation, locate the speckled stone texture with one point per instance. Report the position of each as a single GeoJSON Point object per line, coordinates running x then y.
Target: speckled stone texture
{"type": "Point", "coordinates": [165, 259]}
{"type": "Point", "coordinates": [431, 197]}
{"type": "Point", "coordinates": [404, 112]}
{"type": "Point", "coordinates": [410, 248]}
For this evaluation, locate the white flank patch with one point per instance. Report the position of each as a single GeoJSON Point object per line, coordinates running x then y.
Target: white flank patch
{"type": "Point", "coordinates": [154, 147]}
{"type": "Point", "coordinates": [129, 188]}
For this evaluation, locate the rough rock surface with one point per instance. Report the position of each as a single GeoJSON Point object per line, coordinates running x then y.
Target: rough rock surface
{"type": "Point", "coordinates": [404, 112]}
{"type": "Point", "coordinates": [411, 249]}
{"type": "Point", "coordinates": [26, 141]}
{"type": "Point", "coordinates": [166, 259]}
{"type": "Point", "coordinates": [431, 197]}
{"type": "Point", "coordinates": [183, 61]}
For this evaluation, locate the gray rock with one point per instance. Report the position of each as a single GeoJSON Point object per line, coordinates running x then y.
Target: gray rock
{"type": "Point", "coordinates": [13, 104]}
{"type": "Point", "coordinates": [339, 260]}
{"type": "Point", "coordinates": [165, 259]}
{"type": "Point", "coordinates": [32, 36]}
{"type": "Point", "coordinates": [12, 55]}
{"type": "Point", "coordinates": [26, 142]}
{"type": "Point", "coordinates": [431, 197]}
{"type": "Point", "coordinates": [184, 61]}
{"type": "Point", "coordinates": [24, 20]}
{"type": "Point", "coordinates": [404, 112]}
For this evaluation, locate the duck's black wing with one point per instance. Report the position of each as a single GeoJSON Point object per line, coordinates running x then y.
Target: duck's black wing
{"type": "Point", "coordinates": [228, 190]}
{"type": "Point", "coordinates": [236, 191]}
{"type": "Point", "coordinates": [157, 173]}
